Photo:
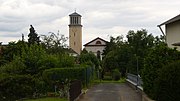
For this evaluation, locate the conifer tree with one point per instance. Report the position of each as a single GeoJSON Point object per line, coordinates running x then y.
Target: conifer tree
{"type": "Point", "coordinates": [33, 36]}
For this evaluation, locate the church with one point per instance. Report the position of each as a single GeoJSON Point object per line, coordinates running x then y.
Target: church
{"type": "Point", "coordinates": [96, 46]}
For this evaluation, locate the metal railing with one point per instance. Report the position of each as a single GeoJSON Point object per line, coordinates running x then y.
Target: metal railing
{"type": "Point", "coordinates": [135, 79]}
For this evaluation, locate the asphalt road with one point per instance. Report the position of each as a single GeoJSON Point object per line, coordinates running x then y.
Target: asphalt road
{"type": "Point", "coordinates": [111, 92]}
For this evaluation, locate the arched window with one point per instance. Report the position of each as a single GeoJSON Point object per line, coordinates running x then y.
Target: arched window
{"type": "Point", "coordinates": [98, 42]}
{"type": "Point", "coordinates": [99, 55]}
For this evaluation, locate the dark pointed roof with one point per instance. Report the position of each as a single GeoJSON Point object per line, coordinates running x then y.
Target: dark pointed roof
{"type": "Point", "coordinates": [74, 14]}
{"type": "Point", "coordinates": [176, 18]}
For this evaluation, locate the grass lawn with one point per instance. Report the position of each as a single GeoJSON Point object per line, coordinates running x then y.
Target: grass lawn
{"type": "Point", "coordinates": [122, 80]}
{"type": "Point", "coordinates": [48, 99]}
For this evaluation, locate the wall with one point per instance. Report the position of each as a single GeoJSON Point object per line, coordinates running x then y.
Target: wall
{"type": "Point", "coordinates": [173, 34]}
{"type": "Point", "coordinates": [94, 49]}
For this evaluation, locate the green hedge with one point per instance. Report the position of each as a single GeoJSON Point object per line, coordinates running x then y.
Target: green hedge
{"type": "Point", "coordinates": [13, 87]}
{"type": "Point", "coordinates": [54, 75]}
{"type": "Point", "coordinates": [157, 57]}
{"type": "Point", "coordinates": [168, 83]}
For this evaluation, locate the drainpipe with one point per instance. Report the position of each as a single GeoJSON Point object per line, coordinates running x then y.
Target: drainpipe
{"type": "Point", "coordinates": [162, 31]}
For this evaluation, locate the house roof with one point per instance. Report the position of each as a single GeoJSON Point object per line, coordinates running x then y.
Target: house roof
{"type": "Point", "coordinates": [74, 14]}
{"type": "Point", "coordinates": [176, 18]}
{"type": "Point", "coordinates": [87, 44]}
{"type": "Point", "coordinates": [176, 44]}
{"type": "Point", "coordinates": [70, 50]}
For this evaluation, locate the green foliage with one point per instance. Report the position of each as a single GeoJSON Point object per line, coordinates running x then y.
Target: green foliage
{"type": "Point", "coordinates": [14, 67]}
{"type": "Point", "coordinates": [59, 75]}
{"type": "Point", "coordinates": [110, 62]}
{"type": "Point", "coordinates": [54, 43]}
{"type": "Point", "coordinates": [116, 75]}
{"type": "Point", "coordinates": [168, 82]}
{"type": "Point", "coordinates": [13, 87]}
{"type": "Point", "coordinates": [64, 60]}
{"type": "Point", "coordinates": [158, 57]}
{"type": "Point", "coordinates": [33, 36]}
{"type": "Point", "coordinates": [8, 52]}
{"type": "Point", "coordinates": [123, 54]}
{"type": "Point", "coordinates": [89, 58]}
{"type": "Point", "coordinates": [118, 59]}
{"type": "Point", "coordinates": [139, 42]}
{"type": "Point", "coordinates": [31, 57]}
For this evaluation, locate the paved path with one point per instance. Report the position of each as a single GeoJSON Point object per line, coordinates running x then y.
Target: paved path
{"type": "Point", "coordinates": [111, 92]}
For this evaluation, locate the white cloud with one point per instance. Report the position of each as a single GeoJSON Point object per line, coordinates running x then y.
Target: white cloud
{"type": "Point", "coordinates": [100, 18]}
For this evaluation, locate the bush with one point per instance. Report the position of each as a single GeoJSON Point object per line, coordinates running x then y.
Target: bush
{"type": "Point", "coordinates": [116, 74]}
{"type": "Point", "coordinates": [168, 83]}
{"type": "Point", "coordinates": [14, 67]}
{"type": "Point", "coordinates": [13, 87]}
{"type": "Point", "coordinates": [157, 57]}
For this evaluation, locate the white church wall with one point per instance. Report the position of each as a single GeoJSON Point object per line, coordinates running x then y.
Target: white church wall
{"type": "Point", "coordinates": [94, 49]}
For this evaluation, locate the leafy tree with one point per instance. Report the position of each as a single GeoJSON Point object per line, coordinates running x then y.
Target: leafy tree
{"type": "Point", "coordinates": [33, 36]}
{"type": "Point", "coordinates": [31, 57]}
{"type": "Point", "coordinates": [54, 43]}
{"type": "Point", "coordinates": [111, 45]}
{"type": "Point", "coordinates": [118, 59]}
{"type": "Point", "coordinates": [89, 57]}
{"type": "Point", "coordinates": [8, 52]}
{"type": "Point", "coordinates": [140, 42]}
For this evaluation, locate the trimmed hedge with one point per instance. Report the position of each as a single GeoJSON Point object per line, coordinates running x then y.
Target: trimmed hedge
{"type": "Point", "coordinates": [51, 76]}
{"type": "Point", "coordinates": [168, 83]}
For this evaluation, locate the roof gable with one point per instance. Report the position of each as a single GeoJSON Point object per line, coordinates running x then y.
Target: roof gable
{"type": "Point", "coordinates": [176, 18]}
{"type": "Point", "coordinates": [97, 42]}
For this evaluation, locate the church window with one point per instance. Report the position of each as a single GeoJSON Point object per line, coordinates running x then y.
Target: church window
{"type": "Point", "coordinates": [98, 54]}
{"type": "Point", "coordinates": [74, 43]}
{"type": "Point", "coordinates": [98, 42]}
{"type": "Point", "coordinates": [74, 34]}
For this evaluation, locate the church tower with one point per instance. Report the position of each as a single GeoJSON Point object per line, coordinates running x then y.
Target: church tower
{"type": "Point", "coordinates": [75, 32]}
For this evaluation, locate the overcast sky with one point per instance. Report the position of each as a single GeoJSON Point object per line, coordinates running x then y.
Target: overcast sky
{"type": "Point", "coordinates": [100, 18]}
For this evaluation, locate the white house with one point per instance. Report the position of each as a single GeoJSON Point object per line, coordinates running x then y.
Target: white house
{"type": "Point", "coordinates": [172, 32]}
{"type": "Point", "coordinates": [96, 46]}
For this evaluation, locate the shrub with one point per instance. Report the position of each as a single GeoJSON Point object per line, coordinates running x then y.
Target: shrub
{"type": "Point", "coordinates": [13, 87]}
{"type": "Point", "coordinates": [168, 83]}
{"type": "Point", "coordinates": [116, 74]}
{"type": "Point", "coordinates": [157, 57]}
{"type": "Point", "coordinates": [14, 67]}
{"type": "Point", "coordinates": [89, 57]}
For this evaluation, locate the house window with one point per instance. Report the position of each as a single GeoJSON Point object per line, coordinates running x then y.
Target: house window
{"type": "Point", "coordinates": [98, 42]}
